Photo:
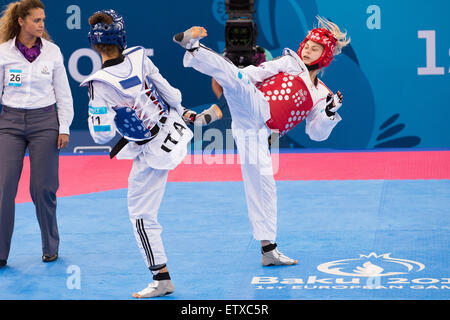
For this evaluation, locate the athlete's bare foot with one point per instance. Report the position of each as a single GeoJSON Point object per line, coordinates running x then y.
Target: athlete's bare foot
{"type": "Point", "coordinates": [156, 289]}
{"type": "Point", "coordinates": [198, 32]}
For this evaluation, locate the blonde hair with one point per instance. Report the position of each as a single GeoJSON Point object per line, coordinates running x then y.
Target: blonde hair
{"type": "Point", "coordinates": [9, 24]}
{"type": "Point", "coordinates": [341, 37]}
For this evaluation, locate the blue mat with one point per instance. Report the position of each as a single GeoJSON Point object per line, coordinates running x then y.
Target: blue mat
{"type": "Point", "coordinates": [354, 240]}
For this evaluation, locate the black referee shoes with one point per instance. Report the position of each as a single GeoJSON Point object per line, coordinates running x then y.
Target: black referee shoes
{"type": "Point", "coordinates": [46, 258]}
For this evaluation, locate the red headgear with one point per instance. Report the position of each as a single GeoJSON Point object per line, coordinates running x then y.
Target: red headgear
{"type": "Point", "coordinates": [325, 38]}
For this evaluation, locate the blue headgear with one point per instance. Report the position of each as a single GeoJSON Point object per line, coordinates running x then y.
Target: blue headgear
{"type": "Point", "coordinates": [113, 33]}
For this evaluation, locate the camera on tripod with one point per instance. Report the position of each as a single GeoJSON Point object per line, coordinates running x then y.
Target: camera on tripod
{"type": "Point", "coordinates": [240, 32]}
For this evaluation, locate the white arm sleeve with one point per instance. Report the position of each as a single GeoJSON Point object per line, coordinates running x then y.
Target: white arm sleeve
{"type": "Point", "coordinates": [64, 101]}
{"type": "Point", "coordinates": [318, 124]}
{"type": "Point", "coordinates": [101, 115]}
{"type": "Point", "coordinates": [170, 94]}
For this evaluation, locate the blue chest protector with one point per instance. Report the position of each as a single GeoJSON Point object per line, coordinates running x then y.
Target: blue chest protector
{"type": "Point", "coordinates": [137, 123]}
{"type": "Point", "coordinates": [130, 125]}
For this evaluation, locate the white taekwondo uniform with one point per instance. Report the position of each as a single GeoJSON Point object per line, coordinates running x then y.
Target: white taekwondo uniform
{"type": "Point", "coordinates": [122, 85]}
{"type": "Point", "coordinates": [250, 111]}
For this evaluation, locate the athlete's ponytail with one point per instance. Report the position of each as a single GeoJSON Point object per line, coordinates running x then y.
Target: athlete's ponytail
{"type": "Point", "coordinates": [341, 36]}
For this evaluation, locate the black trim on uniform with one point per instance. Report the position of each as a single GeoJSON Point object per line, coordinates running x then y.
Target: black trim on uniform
{"type": "Point", "coordinates": [123, 141]}
{"type": "Point", "coordinates": [113, 62]}
{"type": "Point", "coordinates": [312, 67]}
{"type": "Point", "coordinates": [157, 267]}
{"type": "Point", "coordinates": [91, 90]}
{"type": "Point", "coordinates": [144, 240]}
{"type": "Point", "coordinates": [119, 146]}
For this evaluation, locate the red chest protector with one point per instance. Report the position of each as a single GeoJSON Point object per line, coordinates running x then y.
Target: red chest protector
{"type": "Point", "coordinates": [289, 99]}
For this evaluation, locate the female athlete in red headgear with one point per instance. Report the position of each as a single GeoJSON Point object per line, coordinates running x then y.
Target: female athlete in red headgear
{"type": "Point", "coordinates": [272, 97]}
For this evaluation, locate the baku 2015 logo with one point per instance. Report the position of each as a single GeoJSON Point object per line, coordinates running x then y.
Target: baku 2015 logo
{"type": "Point", "coordinates": [371, 265]}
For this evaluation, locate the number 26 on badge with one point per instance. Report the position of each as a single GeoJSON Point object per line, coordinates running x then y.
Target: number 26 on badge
{"type": "Point", "coordinates": [15, 78]}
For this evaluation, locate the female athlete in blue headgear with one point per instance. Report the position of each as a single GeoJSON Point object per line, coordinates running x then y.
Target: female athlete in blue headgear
{"type": "Point", "coordinates": [130, 96]}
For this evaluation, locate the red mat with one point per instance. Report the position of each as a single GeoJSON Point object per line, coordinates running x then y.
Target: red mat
{"type": "Point", "coordinates": [86, 174]}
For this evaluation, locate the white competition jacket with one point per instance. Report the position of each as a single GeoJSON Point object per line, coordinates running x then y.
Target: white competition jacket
{"type": "Point", "coordinates": [318, 125]}
{"type": "Point", "coordinates": [124, 85]}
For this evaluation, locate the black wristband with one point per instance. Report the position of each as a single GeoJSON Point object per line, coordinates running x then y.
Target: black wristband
{"type": "Point", "coordinates": [329, 113]}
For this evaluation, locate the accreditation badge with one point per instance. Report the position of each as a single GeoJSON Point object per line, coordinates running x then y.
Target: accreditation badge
{"type": "Point", "coordinates": [15, 78]}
